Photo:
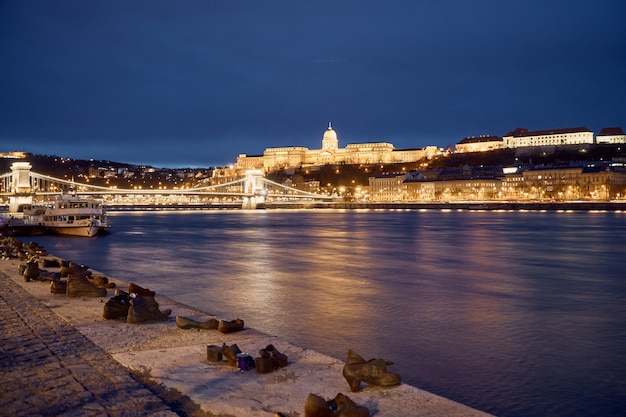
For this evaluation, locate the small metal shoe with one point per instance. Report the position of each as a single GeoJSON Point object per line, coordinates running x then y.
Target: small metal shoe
{"type": "Point", "coordinates": [79, 286]}
{"type": "Point", "coordinates": [145, 308]}
{"type": "Point", "coordinates": [316, 406]}
{"type": "Point", "coordinates": [101, 281]}
{"type": "Point", "coordinates": [136, 289]}
{"type": "Point", "coordinates": [280, 359]}
{"type": "Point", "coordinates": [230, 353]}
{"type": "Point", "coordinates": [186, 323]}
{"type": "Point", "coordinates": [58, 287]}
{"type": "Point", "coordinates": [345, 407]}
{"type": "Point", "coordinates": [117, 306]}
{"type": "Point", "coordinates": [230, 326]}
{"type": "Point", "coordinates": [265, 363]}
{"type": "Point", "coordinates": [372, 372]}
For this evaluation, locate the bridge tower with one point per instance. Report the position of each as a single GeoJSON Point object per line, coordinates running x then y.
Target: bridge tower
{"type": "Point", "coordinates": [20, 186]}
{"type": "Point", "coordinates": [254, 190]}
{"type": "Point", "coordinates": [21, 178]}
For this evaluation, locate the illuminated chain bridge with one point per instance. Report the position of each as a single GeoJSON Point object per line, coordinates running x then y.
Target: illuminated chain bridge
{"type": "Point", "coordinates": [250, 192]}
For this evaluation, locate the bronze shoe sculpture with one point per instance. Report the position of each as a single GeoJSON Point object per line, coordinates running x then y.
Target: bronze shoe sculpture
{"type": "Point", "coordinates": [372, 372]}
{"type": "Point", "coordinates": [280, 359]}
{"type": "Point", "coordinates": [101, 281]}
{"type": "Point", "coordinates": [136, 289]}
{"type": "Point", "coordinates": [31, 272]}
{"type": "Point", "coordinates": [214, 353]}
{"type": "Point", "coordinates": [75, 269]}
{"type": "Point", "coordinates": [230, 326]}
{"type": "Point", "coordinates": [79, 286]}
{"type": "Point", "coordinates": [345, 407]}
{"type": "Point", "coordinates": [265, 363]}
{"type": "Point", "coordinates": [58, 287]}
{"type": "Point", "coordinates": [340, 406]}
{"type": "Point", "coordinates": [50, 263]}
{"type": "Point", "coordinates": [230, 353]}
{"type": "Point", "coordinates": [117, 306]}
{"type": "Point", "coordinates": [145, 308]}
{"type": "Point", "coordinates": [316, 406]}
{"type": "Point", "coordinates": [185, 323]}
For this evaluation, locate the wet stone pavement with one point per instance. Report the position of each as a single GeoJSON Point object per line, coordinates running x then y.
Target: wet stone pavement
{"type": "Point", "coordinates": [48, 368]}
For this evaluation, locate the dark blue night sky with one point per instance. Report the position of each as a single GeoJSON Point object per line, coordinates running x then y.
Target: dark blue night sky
{"type": "Point", "coordinates": [195, 83]}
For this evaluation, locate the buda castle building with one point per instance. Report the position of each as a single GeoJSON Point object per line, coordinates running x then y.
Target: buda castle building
{"type": "Point", "coordinates": [330, 153]}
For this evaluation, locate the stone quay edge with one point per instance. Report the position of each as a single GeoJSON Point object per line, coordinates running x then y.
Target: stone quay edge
{"type": "Point", "coordinates": [169, 357]}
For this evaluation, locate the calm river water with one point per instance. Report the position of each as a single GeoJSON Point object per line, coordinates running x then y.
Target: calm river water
{"type": "Point", "coordinates": [513, 313]}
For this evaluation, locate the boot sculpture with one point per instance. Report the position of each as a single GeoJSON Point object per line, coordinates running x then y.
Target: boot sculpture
{"type": "Point", "coordinates": [372, 372]}
{"type": "Point", "coordinates": [79, 286]}
{"type": "Point", "coordinates": [31, 272]}
{"type": "Point", "coordinates": [45, 275]}
{"type": "Point", "coordinates": [316, 406]}
{"type": "Point", "coordinates": [230, 353]}
{"type": "Point", "coordinates": [145, 308]}
{"type": "Point", "coordinates": [280, 359]}
{"type": "Point", "coordinates": [265, 363]}
{"type": "Point", "coordinates": [185, 323]}
{"type": "Point", "coordinates": [117, 306]}
{"type": "Point", "coordinates": [136, 289]}
{"type": "Point", "coordinates": [74, 269]}
{"type": "Point", "coordinates": [50, 263]}
{"type": "Point", "coordinates": [58, 286]}
{"type": "Point", "coordinates": [101, 281]}
{"type": "Point", "coordinates": [230, 326]}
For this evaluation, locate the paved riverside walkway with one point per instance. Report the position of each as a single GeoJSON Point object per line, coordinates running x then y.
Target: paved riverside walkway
{"type": "Point", "coordinates": [58, 356]}
{"type": "Point", "coordinates": [47, 367]}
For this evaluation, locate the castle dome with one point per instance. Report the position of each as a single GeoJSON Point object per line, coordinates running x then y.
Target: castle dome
{"type": "Point", "coordinates": [329, 141]}
{"type": "Point", "coordinates": [330, 134]}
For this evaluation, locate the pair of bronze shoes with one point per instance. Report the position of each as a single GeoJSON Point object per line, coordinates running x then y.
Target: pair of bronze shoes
{"type": "Point", "coordinates": [136, 306]}
{"type": "Point", "coordinates": [144, 308]}
{"type": "Point", "coordinates": [340, 406]}
{"type": "Point", "coordinates": [224, 326]}
{"type": "Point", "coordinates": [372, 372]}
{"type": "Point", "coordinates": [279, 360]}
{"type": "Point", "coordinates": [270, 360]}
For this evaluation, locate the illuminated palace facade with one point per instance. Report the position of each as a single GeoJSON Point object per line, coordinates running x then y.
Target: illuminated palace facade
{"type": "Point", "coordinates": [330, 153]}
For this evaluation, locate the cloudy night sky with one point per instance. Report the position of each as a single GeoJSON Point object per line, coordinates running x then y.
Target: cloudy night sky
{"type": "Point", "coordinates": [195, 83]}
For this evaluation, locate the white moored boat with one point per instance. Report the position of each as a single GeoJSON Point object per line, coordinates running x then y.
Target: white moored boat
{"type": "Point", "coordinates": [68, 214]}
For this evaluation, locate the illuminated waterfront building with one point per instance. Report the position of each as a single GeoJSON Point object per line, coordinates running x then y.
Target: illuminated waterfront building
{"type": "Point", "coordinates": [605, 181]}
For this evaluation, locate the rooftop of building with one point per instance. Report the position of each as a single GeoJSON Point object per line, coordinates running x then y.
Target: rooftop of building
{"type": "Point", "coordinates": [611, 131]}
{"type": "Point", "coordinates": [523, 132]}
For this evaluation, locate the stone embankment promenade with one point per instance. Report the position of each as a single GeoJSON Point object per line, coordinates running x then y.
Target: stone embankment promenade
{"type": "Point", "coordinates": [58, 356]}
{"type": "Point", "coordinates": [467, 205]}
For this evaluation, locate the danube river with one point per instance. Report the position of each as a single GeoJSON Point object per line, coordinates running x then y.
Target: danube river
{"type": "Point", "coordinates": [514, 313]}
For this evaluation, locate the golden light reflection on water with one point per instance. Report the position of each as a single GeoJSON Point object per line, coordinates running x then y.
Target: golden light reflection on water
{"type": "Point", "coordinates": [313, 285]}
